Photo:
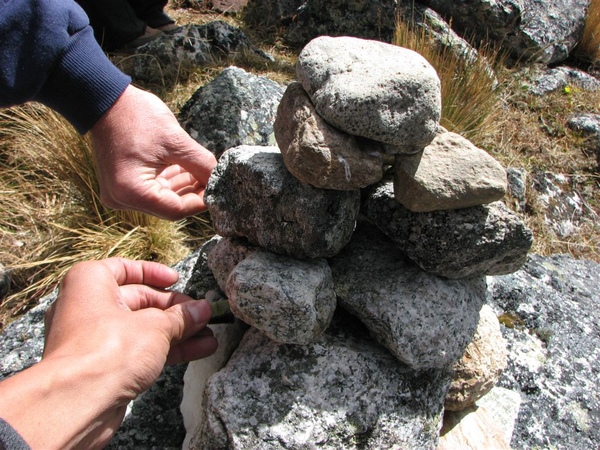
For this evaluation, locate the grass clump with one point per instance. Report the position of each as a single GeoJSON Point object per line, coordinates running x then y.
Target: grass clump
{"type": "Point", "coordinates": [470, 97]}
{"type": "Point", "coordinates": [52, 216]}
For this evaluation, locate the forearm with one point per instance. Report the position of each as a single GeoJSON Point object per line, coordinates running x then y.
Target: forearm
{"type": "Point", "coordinates": [49, 54]}
{"type": "Point", "coordinates": [62, 404]}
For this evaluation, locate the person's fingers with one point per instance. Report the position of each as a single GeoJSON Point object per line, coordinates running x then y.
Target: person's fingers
{"type": "Point", "coordinates": [186, 319]}
{"type": "Point", "coordinates": [191, 156]}
{"type": "Point", "coordinates": [137, 296]}
{"type": "Point", "coordinates": [127, 271]}
{"type": "Point", "coordinates": [196, 347]}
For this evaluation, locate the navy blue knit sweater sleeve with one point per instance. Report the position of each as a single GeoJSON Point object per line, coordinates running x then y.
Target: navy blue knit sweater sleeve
{"type": "Point", "coordinates": [10, 439]}
{"type": "Point", "coordinates": [48, 54]}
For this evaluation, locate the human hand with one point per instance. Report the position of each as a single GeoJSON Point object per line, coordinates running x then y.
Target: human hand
{"type": "Point", "coordinates": [108, 337]}
{"type": "Point", "coordinates": [146, 161]}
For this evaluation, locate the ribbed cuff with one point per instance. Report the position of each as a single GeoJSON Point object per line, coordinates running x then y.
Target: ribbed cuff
{"type": "Point", "coordinates": [84, 84]}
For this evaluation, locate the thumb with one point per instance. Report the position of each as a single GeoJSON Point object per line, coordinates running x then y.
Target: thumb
{"type": "Point", "coordinates": [188, 318]}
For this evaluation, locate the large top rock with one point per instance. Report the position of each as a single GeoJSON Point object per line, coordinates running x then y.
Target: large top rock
{"type": "Point", "coordinates": [368, 88]}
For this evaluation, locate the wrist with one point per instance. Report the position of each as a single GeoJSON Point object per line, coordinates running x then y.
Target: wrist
{"type": "Point", "coordinates": [63, 403]}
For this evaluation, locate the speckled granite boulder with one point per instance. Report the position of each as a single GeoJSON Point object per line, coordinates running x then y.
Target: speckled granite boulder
{"type": "Point", "coordinates": [342, 392]}
{"type": "Point", "coordinates": [423, 320]}
{"type": "Point", "coordinates": [481, 240]}
{"type": "Point", "coordinates": [251, 194]}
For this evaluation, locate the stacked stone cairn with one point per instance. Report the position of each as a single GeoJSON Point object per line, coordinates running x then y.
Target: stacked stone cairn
{"type": "Point", "coordinates": [357, 252]}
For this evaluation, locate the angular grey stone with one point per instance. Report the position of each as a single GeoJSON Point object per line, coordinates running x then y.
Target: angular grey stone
{"type": "Point", "coordinates": [319, 154]}
{"type": "Point", "coordinates": [553, 340]}
{"type": "Point", "coordinates": [487, 425]}
{"type": "Point", "coordinates": [235, 108]}
{"type": "Point", "coordinates": [372, 89]}
{"type": "Point", "coordinates": [251, 194]}
{"type": "Point", "coordinates": [342, 392]}
{"type": "Point", "coordinates": [423, 320]}
{"type": "Point", "coordinates": [479, 369]}
{"type": "Point", "coordinates": [188, 47]}
{"type": "Point", "coordinates": [481, 240]}
{"type": "Point", "coordinates": [225, 254]}
{"type": "Point", "coordinates": [517, 187]}
{"type": "Point", "coordinates": [449, 173]}
{"type": "Point", "coordinates": [289, 300]}
{"type": "Point", "coordinates": [542, 30]}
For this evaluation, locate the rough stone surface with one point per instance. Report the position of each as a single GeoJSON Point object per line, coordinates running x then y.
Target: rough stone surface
{"type": "Point", "coordinates": [542, 30]}
{"type": "Point", "coordinates": [517, 187]}
{"type": "Point", "coordinates": [480, 367]}
{"type": "Point", "coordinates": [449, 173]}
{"type": "Point", "coordinates": [225, 254]}
{"type": "Point", "coordinates": [190, 46]}
{"type": "Point", "coordinates": [425, 321]}
{"type": "Point", "coordinates": [343, 391]}
{"type": "Point", "coordinates": [551, 323]}
{"type": "Point", "coordinates": [481, 240]}
{"type": "Point", "coordinates": [235, 108]}
{"type": "Point", "coordinates": [303, 20]}
{"type": "Point", "coordinates": [488, 424]}
{"type": "Point", "coordinates": [372, 89]}
{"type": "Point", "coordinates": [319, 154]}
{"type": "Point", "coordinates": [251, 194]}
{"type": "Point", "coordinates": [546, 80]}
{"type": "Point", "coordinates": [289, 300]}
{"type": "Point", "coordinates": [589, 126]}
{"type": "Point", "coordinates": [565, 209]}
{"type": "Point", "coordinates": [198, 372]}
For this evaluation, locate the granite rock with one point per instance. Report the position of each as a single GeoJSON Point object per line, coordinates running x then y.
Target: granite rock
{"type": "Point", "coordinates": [372, 89]}
{"type": "Point", "coordinates": [251, 194]}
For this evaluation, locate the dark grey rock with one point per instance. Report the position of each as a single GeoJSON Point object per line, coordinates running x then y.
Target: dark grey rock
{"type": "Point", "coordinates": [517, 187]}
{"type": "Point", "coordinates": [236, 108]}
{"type": "Point", "coordinates": [4, 282]}
{"type": "Point", "coordinates": [343, 391]}
{"type": "Point", "coordinates": [541, 30]}
{"type": "Point", "coordinates": [551, 320]}
{"type": "Point", "coordinates": [251, 194]}
{"type": "Point", "coordinates": [424, 320]}
{"type": "Point", "coordinates": [188, 47]}
{"type": "Point", "coordinates": [481, 240]}
{"type": "Point", "coordinates": [302, 21]}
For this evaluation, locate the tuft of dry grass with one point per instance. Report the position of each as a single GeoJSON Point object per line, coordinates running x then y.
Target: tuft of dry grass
{"type": "Point", "coordinates": [470, 97]}
{"type": "Point", "coordinates": [52, 215]}
{"type": "Point", "coordinates": [588, 48]}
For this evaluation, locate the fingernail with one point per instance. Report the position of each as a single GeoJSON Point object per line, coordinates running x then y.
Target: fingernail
{"type": "Point", "coordinates": [195, 310]}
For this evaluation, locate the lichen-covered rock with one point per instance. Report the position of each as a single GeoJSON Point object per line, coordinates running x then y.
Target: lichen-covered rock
{"type": "Point", "coordinates": [481, 240]}
{"type": "Point", "coordinates": [188, 47]}
{"type": "Point", "coordinates": [542, 30]}
{"type": "Point", "coordinates": [551, 320]}
{"type": "Point", "coordinates": [450, 173]}
{"type": "Point", "coordinates": [479, 369]}
{"type": "Point", "coordinates": [251, 194]}
{"type": "Point", "coordinates": [343, 391]}
{"type": "Point", "coordinates": [372, 89]}
{"type": "Point", "coordinates": [319, 154]}
{"type": "Point", "coordinates": [423, 320]}
{"type": "Point", "coordinates": [290, 300]}
{"type": "Point", "coordinates": [235, 108]}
